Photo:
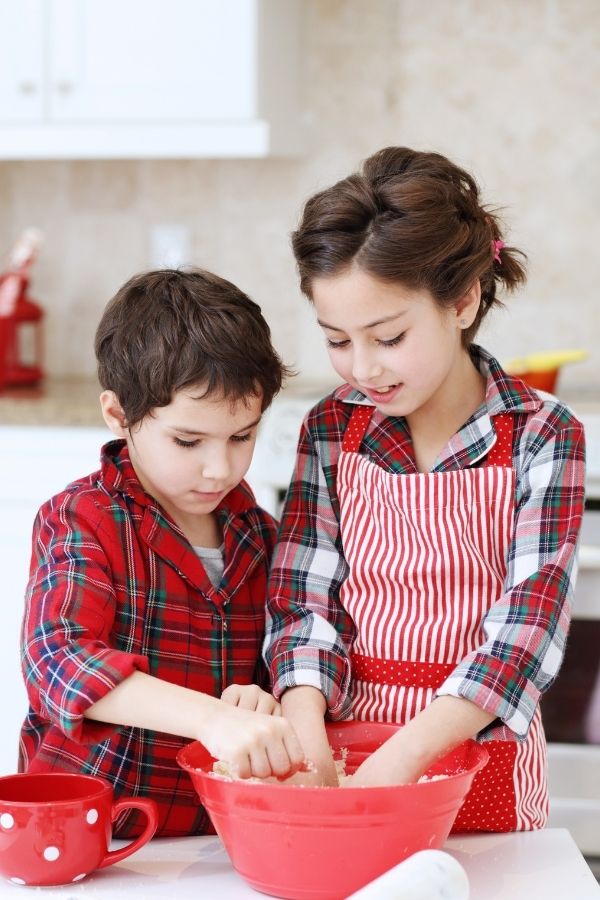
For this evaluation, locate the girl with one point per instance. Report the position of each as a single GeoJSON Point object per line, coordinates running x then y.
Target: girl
{"type": "Point", "coordinates": [425, 564]}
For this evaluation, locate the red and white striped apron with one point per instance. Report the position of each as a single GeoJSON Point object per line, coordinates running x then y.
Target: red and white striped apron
{"type": "Point", "coordinates": [427, 558]}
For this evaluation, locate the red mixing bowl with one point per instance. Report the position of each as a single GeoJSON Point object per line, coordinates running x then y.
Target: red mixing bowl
{"type": "Point", "coordinates": [310, 843]}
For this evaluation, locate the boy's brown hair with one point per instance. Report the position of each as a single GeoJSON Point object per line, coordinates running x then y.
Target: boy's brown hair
{"type": "Point", "coordinates": [169, 329]}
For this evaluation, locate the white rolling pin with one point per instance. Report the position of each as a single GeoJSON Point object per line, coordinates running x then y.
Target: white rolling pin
{"type": "Point", "coordinates": [427, 875]}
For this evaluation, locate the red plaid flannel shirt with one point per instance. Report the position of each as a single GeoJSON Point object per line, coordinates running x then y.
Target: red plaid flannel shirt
{"type": "Point", "coordinates": [114, 587]}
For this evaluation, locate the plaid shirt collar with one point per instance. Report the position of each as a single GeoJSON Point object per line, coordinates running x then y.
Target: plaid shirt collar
{"type": "Point", "coordinates": [504, 395]}
{"type": "Point", "coordinates": [243, 548]}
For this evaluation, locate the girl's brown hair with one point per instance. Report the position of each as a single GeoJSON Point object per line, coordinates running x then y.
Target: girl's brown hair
{"type": "Point", "coordinates": [413, 218]}
{"type": "Point", "coordinates": [170, 329]}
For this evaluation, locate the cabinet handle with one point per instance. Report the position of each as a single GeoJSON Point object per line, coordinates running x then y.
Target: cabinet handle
{"type": "Point", "coordinates": [27, 87]}
{"type": "Point", "coordinates": [64, 87]}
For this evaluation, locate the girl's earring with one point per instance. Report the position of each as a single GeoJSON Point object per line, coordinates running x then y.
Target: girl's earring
{"type": "Point", "coordinates": [462, 323]}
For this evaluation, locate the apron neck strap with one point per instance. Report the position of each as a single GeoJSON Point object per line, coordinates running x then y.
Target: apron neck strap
{"type": "Point", "coordinates": [356, 428]}
{"type": "Point", "coordinates": [499, 455]}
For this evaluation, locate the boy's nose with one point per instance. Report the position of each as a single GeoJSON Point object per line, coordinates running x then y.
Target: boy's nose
{"type": "Point", "coordinates": [216, 467]}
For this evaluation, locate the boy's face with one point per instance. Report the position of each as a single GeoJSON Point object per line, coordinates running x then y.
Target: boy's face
{"type": "Point", "coordinates": [190, 454]}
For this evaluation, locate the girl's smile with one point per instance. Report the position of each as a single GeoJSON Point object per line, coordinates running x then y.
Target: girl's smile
{"type": "Point", "coordinates": [381, 396]}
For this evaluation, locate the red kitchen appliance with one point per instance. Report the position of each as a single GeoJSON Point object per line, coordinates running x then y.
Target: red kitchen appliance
{"type": "Point", "coordinates": [21, 318]}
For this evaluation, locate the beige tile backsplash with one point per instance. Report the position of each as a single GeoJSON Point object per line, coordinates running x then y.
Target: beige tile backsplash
{"type": "Point", "coordinates": [509, 90]}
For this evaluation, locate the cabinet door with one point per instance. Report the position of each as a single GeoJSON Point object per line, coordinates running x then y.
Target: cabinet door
{"type": "Point", "coordinates": [21, 61]}
{"type": "Point", "coordinates": [35, 463]}
{"type": "Point", "coordinates": [144, 60]}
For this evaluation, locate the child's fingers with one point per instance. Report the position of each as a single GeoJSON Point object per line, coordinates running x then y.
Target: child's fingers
{"type": "Point", "coordinates": [294, 751]}
{"type": "Point", "coordinates": [260, 763]}
{"type": "Point", "coordinates": [232, 694]}
{"type": "Point", "coordinates": [268, 705]}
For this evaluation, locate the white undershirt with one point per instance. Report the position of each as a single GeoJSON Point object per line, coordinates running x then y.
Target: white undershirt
{"type": "Point", "coordinates": [213, 561]}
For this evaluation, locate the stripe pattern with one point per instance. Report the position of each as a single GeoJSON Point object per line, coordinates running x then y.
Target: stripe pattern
{"type": "Point", "coordinates": [427, 560]}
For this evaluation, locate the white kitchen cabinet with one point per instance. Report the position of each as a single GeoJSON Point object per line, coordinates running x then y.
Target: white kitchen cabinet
{"type": "Point", "coordinates": [150, 78]}
{"type": "Point", "coordinates": [35, 463]}
{"type": "Point", "coordinates": [21, 62]}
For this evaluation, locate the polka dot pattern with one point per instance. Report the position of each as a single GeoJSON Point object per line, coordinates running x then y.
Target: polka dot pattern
{"type": "Point", "coordinates": [91, 816]}
{"type": "Point", "coordinates": [501, 452]}
{"type": "Point", "coordinates": [51, 854]}
{"type": "Point", "coordinates": [356, 428]}
{"type": "Point", "coordinates": [400, 672]}
{"type": "Point", "coordinates": [7, 821]}
{"type": "Point", "coordinates": [491, 803]}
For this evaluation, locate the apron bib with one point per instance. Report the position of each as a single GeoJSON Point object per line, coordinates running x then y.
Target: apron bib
{"type": "Point", "coordinates": [427, 559]}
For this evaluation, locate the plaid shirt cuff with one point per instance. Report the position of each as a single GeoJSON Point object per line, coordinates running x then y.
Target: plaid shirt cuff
{"type": "Point", "coordinates": [96, 675]}
{"type": "Point", "coordinates": [498, 688]}
{"type": "Point", "coordinates": [312, 666]}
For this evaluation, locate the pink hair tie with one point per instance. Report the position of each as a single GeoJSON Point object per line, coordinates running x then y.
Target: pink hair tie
{"type": "Point", "coordinates": [496, 248]}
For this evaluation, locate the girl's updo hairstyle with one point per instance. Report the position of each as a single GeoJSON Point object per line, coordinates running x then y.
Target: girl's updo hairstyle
{"type": "Point", "coordinates": [413, 218]}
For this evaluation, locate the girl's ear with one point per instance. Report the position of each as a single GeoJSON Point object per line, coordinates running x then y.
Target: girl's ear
{"type": "Point", "coordinates": [466, 308]}
{"type": "Point", "coordinates": [113, 414]}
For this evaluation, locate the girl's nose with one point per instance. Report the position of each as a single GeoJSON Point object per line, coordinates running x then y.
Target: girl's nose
{"type": "Point", "coordinates": [365, 368]}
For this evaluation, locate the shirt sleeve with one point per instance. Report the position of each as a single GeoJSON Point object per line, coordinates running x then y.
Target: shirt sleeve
{"type": "Point", "coordinates": [308, 633]}
{"type": "Point", "coordinates": [67, 658]}
{"type": "Point", "coordinates": [526, 629]}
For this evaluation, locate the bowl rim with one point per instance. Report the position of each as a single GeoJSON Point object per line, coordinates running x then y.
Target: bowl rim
{"type": "Point", "coordinates": [247, 784]}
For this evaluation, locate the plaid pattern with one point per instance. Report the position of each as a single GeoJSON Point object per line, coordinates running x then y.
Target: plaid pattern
{"type": "Point", "coordinates": [114, 587]}
{"type": "Point", "coordinates": [309, 634]}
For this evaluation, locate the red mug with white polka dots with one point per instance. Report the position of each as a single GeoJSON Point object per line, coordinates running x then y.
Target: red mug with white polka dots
{"type": "Point", "coordinates": [56, 828]}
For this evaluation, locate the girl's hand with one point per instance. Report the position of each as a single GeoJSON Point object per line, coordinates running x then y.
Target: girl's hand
{"type": "Point", "coordinates": [251, 697]}
{"type": "Point", "coordinates": [305, 708]}
{"type": "Point", "coordinates": [384, 768]}
{"type": "Point", "coordinates": [251, 743]}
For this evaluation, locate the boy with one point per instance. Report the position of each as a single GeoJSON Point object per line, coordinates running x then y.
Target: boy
{"type": "Point", "coordinates": [147, 586]}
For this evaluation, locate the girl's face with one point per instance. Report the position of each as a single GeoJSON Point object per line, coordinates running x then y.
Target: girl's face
{"type": "Point", "coordinates": [394, 344]}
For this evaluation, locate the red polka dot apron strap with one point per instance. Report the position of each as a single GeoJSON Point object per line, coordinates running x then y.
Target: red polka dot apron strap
{"type": "Point", "coordinates": [356, 428]}
{"type": "Point", "coordinates": [501, 452]}
{"type": "Point", "coordinates": [400, 672]}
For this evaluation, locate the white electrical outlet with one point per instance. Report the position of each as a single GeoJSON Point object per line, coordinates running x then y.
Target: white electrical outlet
{"type": "Point", "coordinates": [170, 246]}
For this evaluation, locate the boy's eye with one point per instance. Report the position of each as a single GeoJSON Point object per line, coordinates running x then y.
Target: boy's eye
{"type": "Point", "coordinates": [188, 444]}
{"type": "Point", "coordinates": [240, 438]}
{"type": "Point", "coordinates": [392, 341]}
{"type": "Point", "coordinates": [336, 344]}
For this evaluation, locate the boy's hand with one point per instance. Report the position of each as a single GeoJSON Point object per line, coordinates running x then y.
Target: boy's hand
{"type": "Point", "coordinates": [251, 743]}
{"type": "Point", "coordinates": [251, 697]}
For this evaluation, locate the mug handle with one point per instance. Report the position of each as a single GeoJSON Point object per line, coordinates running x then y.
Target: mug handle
{"type": "Point", "coordinates": [148, 807]}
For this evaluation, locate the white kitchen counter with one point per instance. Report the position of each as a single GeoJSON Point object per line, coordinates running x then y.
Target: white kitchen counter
{"type": "Point", "coordinates": [540, 864]}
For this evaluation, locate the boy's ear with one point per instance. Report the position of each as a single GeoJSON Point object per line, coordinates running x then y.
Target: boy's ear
{"type": "Point", "coordinates": [113, 414]}
{"type": "Point", "coordinates": [466, 308]}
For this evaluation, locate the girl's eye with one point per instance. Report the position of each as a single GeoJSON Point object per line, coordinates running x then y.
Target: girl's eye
{"type": "Point", "coordinates": [240, 438]}
{"type": "Point", "coordinates": [336, 344]}
{"type": "Point", "coordinates": [393, 341]}
{"type": "Point", "coordinates": [187, 444]}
